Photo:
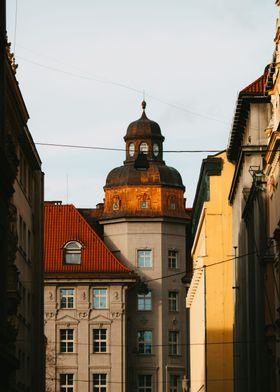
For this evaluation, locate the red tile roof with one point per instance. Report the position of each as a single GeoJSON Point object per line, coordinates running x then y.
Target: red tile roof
{"type": "Point", "coordinates": [63, 223]}
{"type": "Point", "coordinates": [258, 86]}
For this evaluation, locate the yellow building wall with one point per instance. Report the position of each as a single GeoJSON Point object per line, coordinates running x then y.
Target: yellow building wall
{"type": "Point", "coordinates": [215, 233]}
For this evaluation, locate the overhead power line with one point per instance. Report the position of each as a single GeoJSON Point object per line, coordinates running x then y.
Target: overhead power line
{"type": "Point", "coordinates": [116, 149]}
{"type": "Point", "coordinates": [125, 86]}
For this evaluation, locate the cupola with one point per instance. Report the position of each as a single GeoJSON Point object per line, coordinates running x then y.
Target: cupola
{"type": "Point", "coordinates": [144, 186]}
{"type": "Point", "coordinates": [143, 137]}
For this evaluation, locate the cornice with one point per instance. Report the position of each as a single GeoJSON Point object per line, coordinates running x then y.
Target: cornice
{"type": "Point", "coordinates": [256, 150]}
{"type": "Point", "coordinates": [211, 166]}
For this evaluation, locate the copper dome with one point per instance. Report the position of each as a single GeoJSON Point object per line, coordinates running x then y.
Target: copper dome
{"type": "Point", "coordinates": [143, 128]}
{"type": "Point", "coordinates": [155, 175]}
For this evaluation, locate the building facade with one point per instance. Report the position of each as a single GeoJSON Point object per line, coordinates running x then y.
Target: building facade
{"type": "Point", "coordinates": [85, 306]}
{"type": "Point", "coordinates": [248, 198]}
{"type": "Point", "coordinates": [272, 175]}
{"type": "Point", "coordinates": [210, 294]}
{"type": "Point", "coordinates": [144, 222]}
{"type": "Point", "coordinates": [21, 225]}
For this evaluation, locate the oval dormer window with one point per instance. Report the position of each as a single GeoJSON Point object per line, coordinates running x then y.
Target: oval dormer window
{"type": "Point", "coordinates": [144, 148]}
{"type": "Point", "coordinates": [72, 252]}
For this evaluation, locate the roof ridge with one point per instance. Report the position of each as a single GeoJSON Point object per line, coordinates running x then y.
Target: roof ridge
{"type": "Point", "coordinates": [257, 85]}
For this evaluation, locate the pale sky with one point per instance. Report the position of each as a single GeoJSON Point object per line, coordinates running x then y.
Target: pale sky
{"type": "Point", "coordinates": [83, 64]}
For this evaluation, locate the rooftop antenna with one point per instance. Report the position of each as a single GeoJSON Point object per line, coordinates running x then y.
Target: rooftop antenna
{"type": "Point", "coordinates": [66, 188]}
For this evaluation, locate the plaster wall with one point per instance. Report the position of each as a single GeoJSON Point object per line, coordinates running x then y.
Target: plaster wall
{"type": "Point", "coordinates": [126, 238]}
{"type": "Point", "coordinates": [211, 298]}
{"type": "Point", "coordinates": [29, 262]}
{"type": "Point", "coordinates": [83, 362]}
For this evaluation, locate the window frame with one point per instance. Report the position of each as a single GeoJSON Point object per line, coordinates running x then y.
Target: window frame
{"type": "Point", "coordinates": [146, 386]}
{"type": "Point", "coordinates": [174, 387]}
{"type": "Point", "coordinates": [173, 300]}
{"type": "Point", "coordinates": [145, 258]}
{"type": "Point", "coordinates": [66, 387]}
{"type": "Point", "coordinates": [70, 253]}
{"type": "Point", "coordinates": [68, 341]}
{"type": "Point", "coordinates": [99, 297]}
{"type": "Point", "coordinates": [144, 148]}
{"type": "Point", "coordinates": [144, 345]}
{"type": "Point", "coordinates": [100, 387]}
{"type": "Point", "coordinates": [99, 340]}
{"type": "Point", "coordinates": [147, 302]}
{"type": "Point", "coordinates": [172, 258]}
{"type": "Point", "coordinates": [173, 344]}
{"type": "Point", "coordinates": [67, 298]}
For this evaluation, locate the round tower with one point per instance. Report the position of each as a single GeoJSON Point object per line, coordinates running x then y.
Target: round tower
{"type": "Point", "coordinates": [144, 224]}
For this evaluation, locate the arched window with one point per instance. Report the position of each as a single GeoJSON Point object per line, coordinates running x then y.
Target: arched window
{"type": "Point", "coordinates": [144, 148]}
{"type": "Point", "coordinates": [72, 252]}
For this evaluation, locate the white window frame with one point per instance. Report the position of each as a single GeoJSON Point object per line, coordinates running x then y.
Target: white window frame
{"type": "Point", "coordinates": [173, 342]}
{"type": "Point", "coordinates": [172, 258]}
{"type": "Point", "coordinates": [98, 340]}
{"type": "Point", "coordinates": [173, 301]}
{"type": "Point", "coordinates": [144, 342]}
{"type": "Point", "coordinates": [99, 385]}
{"type": "Point", "coordinates": [147, 385]}
{"type": "Point", "coordinates": [72, 253]}
{"type": "Point", "coordinates": [144, 148]}
{"type": "Point", "coordinates": [68, 340]}
{"type": "Point", "coordinates": [98, 294]}
{"type": "Point", "coordinates": [68, 383]}
{"type": "Point", "coordinates": [67, 296]}
{"type": "Point", "coordinates": [146, 299]}
{"type": "Point", "coordinates": [147, 258]}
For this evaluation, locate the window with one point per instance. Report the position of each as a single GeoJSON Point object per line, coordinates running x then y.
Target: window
{"type": "Point", "coordinates": [144, 258]}
{"type": "Point", "coordinates": [174, 383]}
{"type": "Point", "coordinates": [66, 382]}
{"type": "Point", "coordinates": [144, 301]}
{"type": "Point", "coordinates": [144, 383]}
{"type": "Point", "coordinates": [99, 298]}
{"type": "Point", "coordinates": [172, 258]}
{"type": "Point", "coordinates": [173, 343]}
{"type": "Point", "coordinates": [172, 202]}
{"type": "Point", "coordinates": [144, 148]}
{"type": "Point", "coordinates": [144, 340]}
{"type": "Point", "coordinates": [173, 301]}
{"type": "Point", "coordinates": [67, 340]}
{"type": "Point", "coordinates": [66, 298]}
{"type": "Point", "coordinates": [99, 340]}
{"type": "Point", "coordinates": [116, 202]}
{"type": "Point", "coordinates": [144, 204]}
{"type": "Point", "coordinates": [72, 252]}
{"type": "Point", "coordinates": [100, 382]}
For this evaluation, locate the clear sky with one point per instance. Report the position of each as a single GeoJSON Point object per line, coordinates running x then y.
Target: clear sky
{"type": "Point", "coordinates": [83, 64]}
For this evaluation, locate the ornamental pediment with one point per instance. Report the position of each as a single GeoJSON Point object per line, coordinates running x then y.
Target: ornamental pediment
{"type": "Point", "coordinates": [66, 319]}
{"type": "Point", "coordinates": [100, 318]}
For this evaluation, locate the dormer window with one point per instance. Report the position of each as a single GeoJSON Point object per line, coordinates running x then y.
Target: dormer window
{"type": "Point", "coordinates": [72, 252]}
{"type": "Point", "coordinates": [144, 148]}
